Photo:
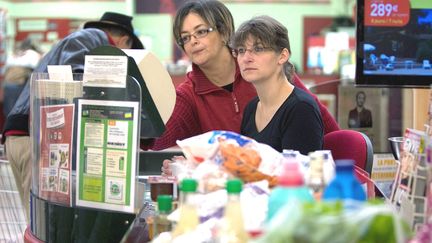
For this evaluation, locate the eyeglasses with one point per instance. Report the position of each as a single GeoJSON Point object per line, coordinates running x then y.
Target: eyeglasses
{"type": "Point", "coordinates": [184, 39]}
{"type": "Point", "coordinates": [256, 50]}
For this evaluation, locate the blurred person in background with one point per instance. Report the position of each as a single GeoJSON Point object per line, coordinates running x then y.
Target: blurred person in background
{"type": "Point", "coordinates": [18, 69]}
{"type": "Point", "coordinates": [113, 29]}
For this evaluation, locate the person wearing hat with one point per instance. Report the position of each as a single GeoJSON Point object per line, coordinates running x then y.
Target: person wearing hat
{"type": "Point", "coordinates": [112, 29]}
{"type": "Point", "coordinates": [119, 27]}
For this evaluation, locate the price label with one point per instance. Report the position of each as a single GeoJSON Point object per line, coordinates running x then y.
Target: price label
{"type": "Point", "coordinates": [389, 13]}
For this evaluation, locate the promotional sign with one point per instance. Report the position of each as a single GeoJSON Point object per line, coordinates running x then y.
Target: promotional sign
{"type": "Point", "coordinates": [56, 124]}
{"type": "Point", "coordinates": [387, 13]}
{"type": "Point", "coordinates": [384, 172]}
{"type": "Point", "coordinates": [106, 144]}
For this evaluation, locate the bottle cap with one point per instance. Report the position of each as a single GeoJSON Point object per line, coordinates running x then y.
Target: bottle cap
{"type": "Point", "coordinates": [188, 185]}
{"type": "Point", "coordinates": [344, 164]}
{"type": "Point", "coordinates": [164, 203]}
{"type": "Point", "coordinates": [289, 153]}
{"type": "Point", "coordinates": [234, 186]}
{"type": "Point", "coordinates": [291, 175]}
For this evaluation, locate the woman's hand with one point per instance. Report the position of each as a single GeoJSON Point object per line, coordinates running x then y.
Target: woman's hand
{"type": "Point", "coordinates": [166, 165]}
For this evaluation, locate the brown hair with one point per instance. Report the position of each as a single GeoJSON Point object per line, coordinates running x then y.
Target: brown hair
{"type": "Point", "coordinates": [214, 13]}
{"type": "Point", "coordinates": [269, 32]}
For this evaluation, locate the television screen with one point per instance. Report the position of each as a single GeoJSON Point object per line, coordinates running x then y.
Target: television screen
{"type": "Point", "coordinates": [394, 43]}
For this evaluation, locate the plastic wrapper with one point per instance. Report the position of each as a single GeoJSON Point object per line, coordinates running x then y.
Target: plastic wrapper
{"type": "Point", "coordinates": [243, 162]}
{"type": "Point", "coordinates": [241, 156]}
{"type": "Point", "coordinates": [182, 168]}
{"type": "Point", "coordinates": [337, 222]}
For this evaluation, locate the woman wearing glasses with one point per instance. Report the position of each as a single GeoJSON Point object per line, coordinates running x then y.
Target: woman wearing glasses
{"type": "Point", "coordinates": [282, 116]}
{"type": "Point", "coordinates": [213, 95]}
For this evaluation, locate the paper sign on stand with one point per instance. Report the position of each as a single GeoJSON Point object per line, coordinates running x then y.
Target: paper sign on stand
{"type": "Point", "coordinates": [106, 144]}
{"type": "Point", "coordinates": [105, 71]}
{"type": "Point", "coordinates": [56, 124]}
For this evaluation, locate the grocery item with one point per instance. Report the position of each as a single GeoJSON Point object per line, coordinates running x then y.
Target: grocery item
{"type": "Point", "coordinates": [371, 222]}
{"type": "Point", "coordinates": [161, 185]}
{"type": "Point", "coordinates": [344, 185]}
{"type": "Point", "coordinates": [241, 156]}
{"type": "Point", "coordinates": [232, 228]}
{"type": "Point", "coordinates": [291, 187]}
{"type": "Point", "coordinates": [315, 180]}
{"type": "Point", "coordinates": [161, 222]}
{"type": "Point", "coordinates": [243, 162]}
{"type": "Point", "coordinates": [189, 219]}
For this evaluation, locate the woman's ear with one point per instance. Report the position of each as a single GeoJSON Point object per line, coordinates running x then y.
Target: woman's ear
{"type": "Point", "coordinates": [284, 56]}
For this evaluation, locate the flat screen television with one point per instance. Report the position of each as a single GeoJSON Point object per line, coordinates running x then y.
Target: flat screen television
{"type": "Point", "coordinates": [394, 43]}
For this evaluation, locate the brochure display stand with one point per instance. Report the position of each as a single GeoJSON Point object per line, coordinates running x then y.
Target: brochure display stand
{"type": "Point", "coordinates": [85, 131]}
{"type": "Point", "coordinates": [84, 154]}
{"type": "Point", "coordinates": [85, 134]}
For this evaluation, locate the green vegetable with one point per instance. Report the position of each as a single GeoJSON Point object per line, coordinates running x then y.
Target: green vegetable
{"type": "Point", "coordinates": [337, 223]}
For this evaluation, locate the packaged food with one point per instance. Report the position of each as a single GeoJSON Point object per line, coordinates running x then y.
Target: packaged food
{"type": "Point", "coordinates": [241, 156]}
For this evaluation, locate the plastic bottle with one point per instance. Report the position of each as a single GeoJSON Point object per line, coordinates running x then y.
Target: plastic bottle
{"type": "Point", "coordinates": [344, 185]}
{"type": "Point", "coordinates": [316, 180]}
{"type": "Point", "coordinates": [232, 228]}
{"type": "Point", "coordinates": [291, 187]}
{"type": "Point", "coordinates": [189, 219]}
{"type": "Point", "coordinates": [328, 165]}
{"type": "Point", "coordinates": [161, 222]}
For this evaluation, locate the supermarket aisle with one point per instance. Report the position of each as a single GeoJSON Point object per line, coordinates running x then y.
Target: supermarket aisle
{"type": "Point", "coordinates": [12, 216]}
